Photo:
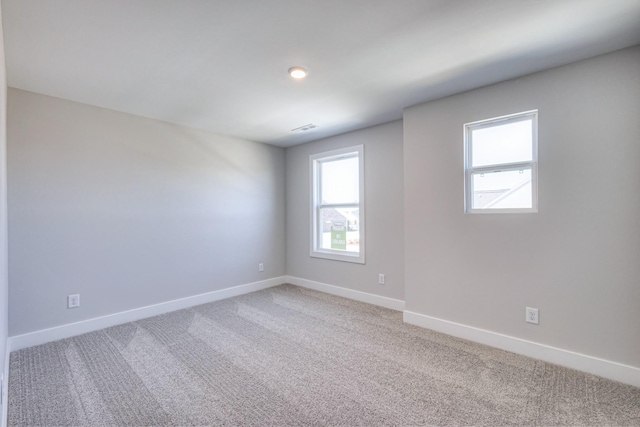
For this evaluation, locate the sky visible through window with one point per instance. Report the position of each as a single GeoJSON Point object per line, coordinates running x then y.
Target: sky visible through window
{"type": "Point", "coordinates": [340, 181]}
{"type": "Point", "coordinates": [508, 143]}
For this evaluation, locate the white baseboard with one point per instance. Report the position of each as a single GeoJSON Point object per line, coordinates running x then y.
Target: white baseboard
{"type": "Point", "coordinates": [393, 304]}
{"type": "Point", "coordinates": [5, 386]}
{"type": "Point", "coordinates": [19, 342]}
{"type": "Point", "coordinates": [581, 362]}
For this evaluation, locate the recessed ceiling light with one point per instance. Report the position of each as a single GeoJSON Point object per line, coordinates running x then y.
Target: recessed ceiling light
{"type": "Point", "coordinates": [297, 72]}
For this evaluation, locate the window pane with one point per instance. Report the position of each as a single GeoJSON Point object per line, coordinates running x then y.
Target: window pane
{"type": "Point", "coordinates": [340, 181]}
{"type": "Point", "coordinates": [502, 189]}
{"type": "Point", "coordinates": [507, 143]}
{"type": "Point", "coordinates": [340, 229]}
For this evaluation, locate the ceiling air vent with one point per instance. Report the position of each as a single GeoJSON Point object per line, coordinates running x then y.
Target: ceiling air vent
{"type": "Point", "coordinates": [304, 128]}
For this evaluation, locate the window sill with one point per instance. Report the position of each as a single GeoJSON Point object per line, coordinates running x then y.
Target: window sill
{"type": "Point", "coordinates": [337, 256]}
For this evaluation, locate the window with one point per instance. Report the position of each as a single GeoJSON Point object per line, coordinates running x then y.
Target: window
{"type": "Point", "coordinates": [501, 164]}
{"type": "Point", "coordinates": [337, 204]}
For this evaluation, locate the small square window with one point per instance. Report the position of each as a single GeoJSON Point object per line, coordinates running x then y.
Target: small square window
{"type": "Point", "coordinates": [501, 164]}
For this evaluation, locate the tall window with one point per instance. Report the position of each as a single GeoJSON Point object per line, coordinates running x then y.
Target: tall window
{"type": "Point", "coordinates": [501, 164]}
{"type": "Point", "coordinates": [337, 204]}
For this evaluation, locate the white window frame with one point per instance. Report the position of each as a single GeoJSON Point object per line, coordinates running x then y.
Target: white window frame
{"type": "Point", "coordinates": [316, 204]}
{"type": "Point", "coordinates": [469, 170]}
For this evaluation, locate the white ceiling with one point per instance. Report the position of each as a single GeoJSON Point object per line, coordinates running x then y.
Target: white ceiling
{"type": "Point", "coordinates": [221, 65]}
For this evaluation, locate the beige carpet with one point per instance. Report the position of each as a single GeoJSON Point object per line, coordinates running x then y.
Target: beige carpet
{"type": "Point", "coordinates": [289, 356]}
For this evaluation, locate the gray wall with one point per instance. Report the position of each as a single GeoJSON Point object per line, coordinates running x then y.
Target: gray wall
{"type": "Point", "coordinates": [129, 212]}
{"type": "Point", "coordinates": [4, 309]}
{"type": "Point", "coordinates": [383, 207]}
{"type": "Point", "coordinates": [578, 258]}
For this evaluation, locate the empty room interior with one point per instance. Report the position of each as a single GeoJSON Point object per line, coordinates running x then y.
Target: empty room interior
{"type": "Point", "coordinates": [279, 212]}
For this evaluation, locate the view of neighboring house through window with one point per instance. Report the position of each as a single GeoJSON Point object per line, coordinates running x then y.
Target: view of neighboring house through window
{"type": "Point", "coordinates": [501, 159]}
{"type": "Point", "coordinates": [337, 208]}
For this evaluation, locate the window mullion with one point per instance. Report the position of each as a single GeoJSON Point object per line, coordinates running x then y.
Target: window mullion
{"type": "Point", "coordinates": [339, 205]}
{"type": "Point", "coordinates": [501, 167]}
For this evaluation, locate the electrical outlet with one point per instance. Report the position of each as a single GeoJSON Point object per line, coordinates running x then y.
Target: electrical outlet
{"type": "Point", "coordinates": [531, 315]}
{"type": "Point", "coordinates": [261, 267]}
{"type": "Point", "coordinates": [381, 279]}
{"type": "Point", "coordinates": [73, 301]}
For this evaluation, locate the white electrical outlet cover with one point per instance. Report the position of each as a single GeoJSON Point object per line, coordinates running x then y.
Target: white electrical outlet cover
{"type": "Point", "coordinates": [531, 315]}
{"type": "Point", "coordinates": [73, 301]}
